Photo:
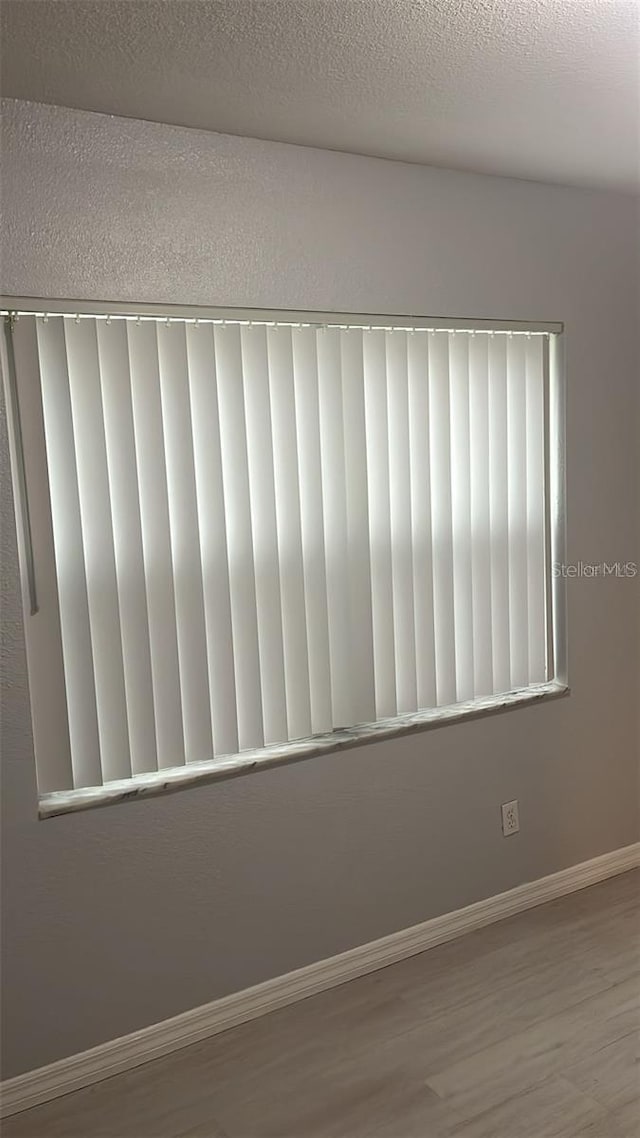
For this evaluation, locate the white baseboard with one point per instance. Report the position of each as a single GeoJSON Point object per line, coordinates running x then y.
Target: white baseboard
{"type": "Point", "coordinates": [149, 1043]}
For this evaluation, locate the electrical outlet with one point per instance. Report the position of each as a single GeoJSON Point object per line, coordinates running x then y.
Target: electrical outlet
{"type": "Point", "coordinates": [510, 818]}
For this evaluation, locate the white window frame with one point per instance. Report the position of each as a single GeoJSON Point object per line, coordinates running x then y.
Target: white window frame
{"type": "Point", "coordinates": [147, 785]}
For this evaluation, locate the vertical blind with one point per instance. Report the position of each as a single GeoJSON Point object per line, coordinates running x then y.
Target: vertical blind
{"type": "Point", "coordinates": [263, 532]}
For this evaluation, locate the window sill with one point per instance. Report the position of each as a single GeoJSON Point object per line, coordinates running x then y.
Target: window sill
{"type": "Point", "coordinates": [215, 770]}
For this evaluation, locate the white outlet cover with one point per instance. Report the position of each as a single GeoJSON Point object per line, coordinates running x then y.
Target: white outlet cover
{"type": "Point", "coordinates": [510, 818]}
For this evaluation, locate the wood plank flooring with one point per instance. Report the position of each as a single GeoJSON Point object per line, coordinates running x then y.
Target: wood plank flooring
{"type": "Point", "coordinates": [526, 1029]}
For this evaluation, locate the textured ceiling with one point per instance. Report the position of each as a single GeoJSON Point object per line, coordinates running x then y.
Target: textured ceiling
{"type": "Point", "coordinates": [542, 89]}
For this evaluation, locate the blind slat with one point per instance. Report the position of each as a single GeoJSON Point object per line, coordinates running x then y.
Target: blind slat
{"type": "Point", "coordinates": [156, 543]}
{"type": "Point", "coordinates": [237, 506]}
{"type": "Point", "coordinates": [45, 662]}
{"type": "Point", "coordinates": [377, 428]}
{"type": "Point", "coordinates": [115, 382]}
{"type": "Point", "coordinates": [461, 515]}
{"type": "Point", "coordinates": [400, 511]}
{"type": "Point", "coordinates": [480, 512]}
{"type": "Point", "coordinates": [499, 513]}
{"type": "Point", "coordinates": [185, 541]}
{"type": "Point", "coordinates": [207, 453]}
{"type": "Point", "coordinates": [422, 546]}
{"type": "Point", "coordinates": [70, 565]}
{"type": "Point", "coordinates": [307, 409]}
{"type": "Point", "coordinates": [255, 369]}
{"type": "Point", "coordinates": [517, 509]}
{"type": "Point", "coordinates": [535, 521]}
{"type": "Point", "coordinates": [356, 493]}
{"type": "Point", "coordinates": [441, 518]}
{"type": "Point", "coordinates": [97, 534]}
{"type": "Point", "coordinates": [289, 533]}
{"type": "Point", "coordinates": [335, 523]}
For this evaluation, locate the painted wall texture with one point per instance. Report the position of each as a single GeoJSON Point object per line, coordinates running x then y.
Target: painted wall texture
{"type": "Point", "coordinates": [118, 918]}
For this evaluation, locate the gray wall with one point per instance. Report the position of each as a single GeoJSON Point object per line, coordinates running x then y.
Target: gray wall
{"type": "Point", "coordinates": [121, 917]}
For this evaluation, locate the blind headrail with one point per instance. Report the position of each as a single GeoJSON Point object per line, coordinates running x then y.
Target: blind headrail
{"type": "Point", "coordinates": [96, 309]}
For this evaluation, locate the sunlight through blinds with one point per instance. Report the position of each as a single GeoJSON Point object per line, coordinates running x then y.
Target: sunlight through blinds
{"type": "Point", "coordinates": [268, 531]}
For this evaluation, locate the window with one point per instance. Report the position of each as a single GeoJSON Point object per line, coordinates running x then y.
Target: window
{"type": "Point", "coordinates": [252, 536]}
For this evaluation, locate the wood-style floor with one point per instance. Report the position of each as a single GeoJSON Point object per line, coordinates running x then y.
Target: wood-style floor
{"type": "Point", "coordinates": [526, 1029]}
